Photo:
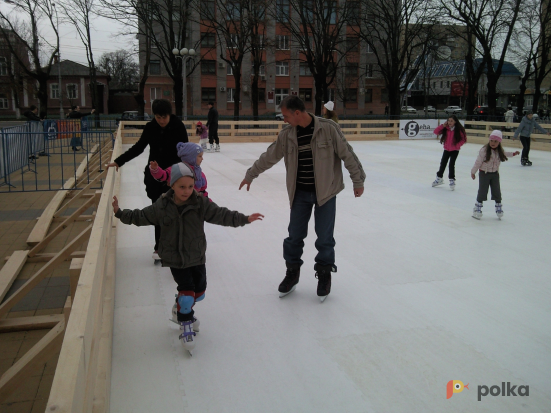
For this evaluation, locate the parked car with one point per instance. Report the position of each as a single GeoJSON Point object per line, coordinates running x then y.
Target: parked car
{"type": "Point", "coordinates": [279, 116]}
{"type": "Point", "coordinates": [409, 109]}
{"type": "Point", "coordinates": [133, 115]}
{"type": "Point", "coordinates": [430, 109]}
{"type": "Point", "coordinates": [452, 110]}
{"type": "Point", "coordinates": [481, 113]}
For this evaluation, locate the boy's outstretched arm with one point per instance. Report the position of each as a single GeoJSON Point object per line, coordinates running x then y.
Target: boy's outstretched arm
{"type": "Point", "coordinates": [138, 217]}
{"type": "Point", "coordinates": [223, 216]}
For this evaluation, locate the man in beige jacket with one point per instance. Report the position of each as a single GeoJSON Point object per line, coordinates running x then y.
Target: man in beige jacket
{"type": "Point", "coordinates": [313, 149]}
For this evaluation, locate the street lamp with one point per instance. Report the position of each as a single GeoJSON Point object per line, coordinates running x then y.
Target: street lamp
{"type": "Point", "coordinates": [185, 55]}
{"type": "Point", "coordinates": [61, 114]}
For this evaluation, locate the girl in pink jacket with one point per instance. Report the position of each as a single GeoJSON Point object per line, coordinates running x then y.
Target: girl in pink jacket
{"type": "Point", "coordinates": [453, 137]}
{"type": "Point", "coordinates": [487, 162]}
{"type": "Point", "coordinates": [203, 132]}
{"type": "Point", "coordinates": [191, 154]}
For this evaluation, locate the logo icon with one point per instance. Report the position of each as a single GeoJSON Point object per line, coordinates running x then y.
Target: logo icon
{"type": "Point", "coordinates": [455, 386]}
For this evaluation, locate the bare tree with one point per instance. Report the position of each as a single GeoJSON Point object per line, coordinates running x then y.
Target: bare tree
{"type": "Point", "coordinates": [121, 67]}
{"type": "Point", "coordinates": [256, 20]}
{"type": "Point", "coordinates": [399, 33]}
{"type": "Point", "coordinates": [27, 36]}
{"type": "Point", "coordinates": [492, 23]}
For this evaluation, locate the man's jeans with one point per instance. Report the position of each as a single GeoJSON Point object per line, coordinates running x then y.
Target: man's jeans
{"type": "Point", "coordinates": [324, 216]}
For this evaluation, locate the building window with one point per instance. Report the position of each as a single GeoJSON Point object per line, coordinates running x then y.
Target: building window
{"type": "Point", "coordinates": [369, 70]}
{"type": "Point", "coordinates": [233, 41]}
{"type": "Point", "coordinates": [351, 69]}
{"type": "Point", "coordinates": [208, 40]}
{"type": "Point", "coordinates": [207, 9]}
{"type": "Point", "coordinates": [155, 93]}
{"type": "Point", "coordinates": [368, 95]}
{"type": "Point", "coordinates": [304, 69]}
{"type": "Point", "coordinates": [54, 91]}
{"type": "Point", "coordinates": [353, 11]}
{"type": "Point", "coordinates": [351, 95]}
{"type": "Point", "coordinates": [282, 10]}
{"type": "Point", "coordinates": [208, 67]}
{"type": "Point", "coordinates": [229, 70]}
{"type": "Point", "coordinates": [208, 94]}
{"type": "Point", "coordinates": [352, 44]}
{"type": "Point", "coordinates": [441, 84]}
{"type": "Point", "coordinates": [233, 10]}
{"type": "Point", "coordinates": [262, 95]}
{"type": "Point", "coordinates": [260, 41]}
{"type": "Point", "coordinates": [4, 102]}
{"type": "Point", "coordinates": [384, 95]}
{"type": "Point", "coordinates": [448, 83]}
{"type": "Point", "coordinates": [282, 68]}
{"type": "Point", "coordinates": [368, 49]}
{"type": "Point", "coordinates": [282, 42]}
{"type": "Point", "coordinates": [72, 91]}
{"type": "Point", "coordinates": [434, 85]}
{"type": "Point", "coordinates": [230, 93]}
{"type": "Point", "coordinates": [3, 66]}
{"type": "Point", "coordinates": [262, 70]}
{"type": "Point", "coordinates": [154, 67]}
{"type": "Point", "coordinates": [305, 95]}
{"type": "Point", "coordinates": [330, 11]}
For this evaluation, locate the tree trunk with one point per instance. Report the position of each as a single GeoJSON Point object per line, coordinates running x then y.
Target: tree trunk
{"type": "Point", "coordinates": [320, 94]}
{"type": "Point", "coordinates": [237, 96]}
{"type": "Point", "coordinates": [42, 95]}
{"type": "Point", "coordinates": [254, 95]}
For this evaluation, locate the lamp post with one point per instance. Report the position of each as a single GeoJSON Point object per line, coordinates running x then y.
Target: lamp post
{"type": "Point", "coordinates": [185, 55]}
{"type": "Point", "coordinates": [61, 113]}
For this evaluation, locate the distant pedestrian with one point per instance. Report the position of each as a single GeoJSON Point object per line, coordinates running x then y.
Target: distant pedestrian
{"type": "Point", "coordinates": [75, 113]}
{"type": "Point", "coordinates": [487, 163]}
{"type": "Point", "coordinates": [453, 136]}
{"type": "Point", "coordinates": [32, 114]}
{"type": "Point", "coordinates": [329, 112]}
{"type": "Point", "coordinates": [527, 125]}
{"type": "Point", "coordinates": [509, 117]}
{"type": "Point", "coordinates": [387, 109]}
{"type": "Point", "coordinates": [212, 124]}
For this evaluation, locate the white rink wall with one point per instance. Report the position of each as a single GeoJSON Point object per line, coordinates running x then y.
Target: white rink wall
{"type": "Point", "coordinates": [424, 294]}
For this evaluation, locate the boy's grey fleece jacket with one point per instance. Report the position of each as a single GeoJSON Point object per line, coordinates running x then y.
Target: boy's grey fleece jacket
{"type": "Point", "coordinates": [527, 126]}
{"type": "Point", "coordinates": [329, 147]}
{"type": "Point", "coordinates": [182, 243]}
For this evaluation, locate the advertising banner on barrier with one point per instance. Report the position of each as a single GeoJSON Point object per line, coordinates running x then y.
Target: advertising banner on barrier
{"type": "Point", "coordinates": [417, 128]}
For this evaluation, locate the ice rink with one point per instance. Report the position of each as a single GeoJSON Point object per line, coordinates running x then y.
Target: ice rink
{"type": "Point", "coordinates": [424, 294]}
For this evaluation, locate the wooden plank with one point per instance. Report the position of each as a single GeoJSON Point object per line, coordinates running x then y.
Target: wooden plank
{"type": "Point", "coordinates": [45, 270]}
{"type": "Point", "coordinates": [40, 353]}
{"type": "Point", "coordinates": [10, 271]}
{"type": "Point", "coordinates": [80, 194]}
{"type": "Point", "coordinates": [47, 256]}
{"type": "Point", "coordinates": [77, 219]}
{"type": "Point", "coordinates": [74, 274]}
{"type": "Point", "coordinates": [44, 243]}
{"type": "Point", "coordinates": [39, 322]}
{"type": "Point", "coordinates": [67, 310]}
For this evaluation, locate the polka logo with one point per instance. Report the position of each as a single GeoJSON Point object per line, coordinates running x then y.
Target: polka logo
{"type": "Point", "coordinates": [455, 386]}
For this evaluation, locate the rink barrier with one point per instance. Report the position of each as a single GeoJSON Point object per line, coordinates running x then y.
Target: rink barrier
{"type": "Point", "coordinates": [479, 132]}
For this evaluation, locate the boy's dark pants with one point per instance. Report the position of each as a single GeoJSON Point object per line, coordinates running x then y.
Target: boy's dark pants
{"type": "Point", "coordinates": [488, 180]}
{"type": "Point", "coordinates": [192, 283]}
{"type": "Point", "coordinates": [525, 147]}
{"type": "Point", "coordinates": [452, 156]}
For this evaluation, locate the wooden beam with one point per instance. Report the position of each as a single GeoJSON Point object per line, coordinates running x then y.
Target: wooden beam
{"type": "Point", "coordinates": [40, 353]}
{"type": "Point", "coordinates": [47, 256]}
{"type": "Point", "coordinates": [45, 270]}
{"type": "Point", "coordinates": [10, 271]}
{"type": "Point", "coordinates": [78, 219]}
{"type": "Point", "coordinates": [39, 322]}
{"type": "Point", "coordinates": [44, 243]}
{"type": "Point", "coordinates": [79, 194]}
{"type": "Point", "coordinates": [67, 309]}
{"type": "Point", "coordinates": [74, 274]}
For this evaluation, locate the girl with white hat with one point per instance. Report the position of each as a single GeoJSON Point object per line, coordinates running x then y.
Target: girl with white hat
{"type": "Point", "coordinates": [328, 112]}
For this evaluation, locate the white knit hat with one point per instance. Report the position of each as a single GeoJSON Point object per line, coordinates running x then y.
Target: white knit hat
{"type": "Point", "coordinates": [179, 170]}
{"type": "Point", "coordinates": [329, 106]}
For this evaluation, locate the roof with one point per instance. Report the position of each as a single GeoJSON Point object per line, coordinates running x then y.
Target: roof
{"type": "Point", "coordinates": [70, 68]}
{"type": "Point", "coordinates": [457, 68]}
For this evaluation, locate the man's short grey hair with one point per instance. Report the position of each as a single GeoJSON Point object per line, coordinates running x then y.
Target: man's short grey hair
{"type": "Point", "coordinates": [292, 103]}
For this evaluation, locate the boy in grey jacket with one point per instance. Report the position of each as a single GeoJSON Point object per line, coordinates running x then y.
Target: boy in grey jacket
{"type": "Point", "coordinates": [314, 150]}
{"type": "Point", "coordinates": [527, 125]}
{"type": "Point", "coordinates": [181, 214]}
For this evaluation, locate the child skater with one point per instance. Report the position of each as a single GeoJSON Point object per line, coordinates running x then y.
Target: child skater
{"type": "Point", "coordinates": [181, 214]}
{"type": "Point", "coordinates": [191, 154]}
{"type": "Point", "coordinates": [202, 131]}
{"type": "Point", "coordinates": [487, 162]}
{"type": "Point", "coordinates": [453, 137]}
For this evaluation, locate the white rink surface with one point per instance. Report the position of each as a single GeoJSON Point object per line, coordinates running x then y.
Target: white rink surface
{"type": "Point", "coordinates": [424, 294]}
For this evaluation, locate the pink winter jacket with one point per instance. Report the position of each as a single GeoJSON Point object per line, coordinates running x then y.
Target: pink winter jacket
{"type": "Point", "coordinates": [448, 142]}
{"type": "Point", "coordinates": [162, 175]}
{"type": "Point", "coordinates": [492, 165]}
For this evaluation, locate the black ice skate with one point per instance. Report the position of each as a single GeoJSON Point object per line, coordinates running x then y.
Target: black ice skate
{"type": "Point", "coordinates": [290, 281]}
{"type": "Point", "coordinates": [323, 274]}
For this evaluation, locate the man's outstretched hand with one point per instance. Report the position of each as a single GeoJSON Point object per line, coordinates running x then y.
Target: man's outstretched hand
{"type": "Point", "coordinates": [358, 192]}
{"type": "Point", "coordinates": [243, 183]}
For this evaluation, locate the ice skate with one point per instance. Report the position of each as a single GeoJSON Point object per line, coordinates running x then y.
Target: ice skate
{"type": "Point", "coordinates": [499, 210]}
{"type": "Point", "coordinates": [290, 281]}
{"type": "Point", "coordinates": [211, 148]}
{"type": "Point", "coordinates": [187, 337]}
{"type": "Point", "coordinates": [528, 162]}
{"type": "Point", "coordinates": [156, 257]}
{"type": "Point", "coordinates": [452, 184]}
{"type": "Point", "coordinates": [323, 274]}
{"type": "Point", "coordinates": [174, 319]}
{"type": "Point", "coordinates": [477, 210]}
{"type": "Point", "coordinates": [204, 147]}
{"type": "Point", "coordinates": [217, 149]}
{"type": "Point", "coordinates": [523, 161]}
{"type": "Point", "coordinates": [438, 181]}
